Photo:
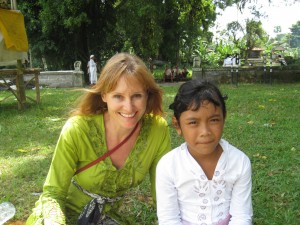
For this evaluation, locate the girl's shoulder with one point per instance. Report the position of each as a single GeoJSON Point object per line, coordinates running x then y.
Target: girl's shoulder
{"type": "Point", "coordinates": [175, 154]}
{"type": "Point", "coordinates": [235, 155]}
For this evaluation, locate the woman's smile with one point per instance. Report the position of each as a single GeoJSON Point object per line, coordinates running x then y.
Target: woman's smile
{"type": "Point", "coordinates": [126, 103]}
{"type": "Point", "coordinates": [127, 115]}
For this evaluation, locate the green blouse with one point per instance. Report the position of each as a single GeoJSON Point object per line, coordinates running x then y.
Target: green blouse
{"type": "Point", "coordinates": [81, 141]}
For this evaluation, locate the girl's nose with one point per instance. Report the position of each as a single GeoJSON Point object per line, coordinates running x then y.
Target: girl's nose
{"type": "Point", "coordinates": [204, 130]}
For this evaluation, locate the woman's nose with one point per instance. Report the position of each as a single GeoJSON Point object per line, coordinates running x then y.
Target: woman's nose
{"type": "Point", "coordinates": [128, 105]}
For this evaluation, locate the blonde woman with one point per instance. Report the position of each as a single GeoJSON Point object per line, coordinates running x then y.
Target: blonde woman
{"type": "Point", "coordinates": [123, 111]}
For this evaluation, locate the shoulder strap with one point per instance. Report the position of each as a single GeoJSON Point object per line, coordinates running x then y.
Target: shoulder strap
{"type": "Point", "coordinates": [107, 153]}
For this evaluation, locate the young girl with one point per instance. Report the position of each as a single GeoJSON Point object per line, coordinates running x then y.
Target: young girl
{"type": "Point", "coordinates": [206, 180]}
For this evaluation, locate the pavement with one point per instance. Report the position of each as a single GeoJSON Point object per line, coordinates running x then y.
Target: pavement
{"type": "Point", "coordinates": [171, 83]}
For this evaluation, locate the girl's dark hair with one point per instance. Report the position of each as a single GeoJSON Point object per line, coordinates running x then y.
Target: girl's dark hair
{"type": "Point", "coordinates": [191, 95]}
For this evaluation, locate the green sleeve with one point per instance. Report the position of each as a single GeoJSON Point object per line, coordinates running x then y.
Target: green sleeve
{"type": "Point", "coordinates": [61, 171]}
{"type": "Point", "coordinates": [160, 135]}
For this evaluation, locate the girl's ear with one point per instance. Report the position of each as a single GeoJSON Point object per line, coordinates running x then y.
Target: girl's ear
{"type": "Point", "coordinates": [176, 125]}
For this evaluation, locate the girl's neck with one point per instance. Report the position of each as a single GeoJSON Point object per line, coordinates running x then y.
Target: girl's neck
{"type": "Point", "coordinates": [209, 162]}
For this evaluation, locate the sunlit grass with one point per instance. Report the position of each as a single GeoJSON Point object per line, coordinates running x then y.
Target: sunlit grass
{"type": "Point", "coordinates": [262, 120]}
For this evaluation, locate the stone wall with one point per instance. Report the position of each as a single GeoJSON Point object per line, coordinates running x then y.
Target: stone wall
{"type": "Point", "coordinates": [60, 79]}
{"type": "Point", "coordinates": [250, 75]}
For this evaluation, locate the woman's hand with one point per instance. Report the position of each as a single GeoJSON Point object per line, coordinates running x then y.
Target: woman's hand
{"type": "Point", "coordinates": [50, 222]}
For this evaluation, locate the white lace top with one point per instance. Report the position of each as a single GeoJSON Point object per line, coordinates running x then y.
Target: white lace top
{"type": "Point", "coordinates": [186, 196]}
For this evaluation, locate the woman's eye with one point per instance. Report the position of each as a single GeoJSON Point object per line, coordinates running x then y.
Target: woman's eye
{"type": "Point", "coordinates": [137, 95]}
{"type": "Point", "coordinates": [118, 96]}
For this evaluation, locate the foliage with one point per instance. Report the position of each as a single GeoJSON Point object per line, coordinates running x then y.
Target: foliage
{"type": "Point", "coordinates": [61, 32]}
{"type": "Point", "coordinates": [290, 42]}
{"type": "Point", "coordinates": [233, 29]}
{"type": "Point", "coordinates": [255, 35]}
{"type": "Point", "coordinates": [69, 30]}
{"type": "Point", "coordinates": [140, 22]}
{"type": "Point", "coordinates": [270, 140]}
{"type": "Point", "coordinates": [294, 38]}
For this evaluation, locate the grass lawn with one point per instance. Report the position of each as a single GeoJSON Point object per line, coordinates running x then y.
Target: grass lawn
{"type": "Point", "coordinates": [263, 121]}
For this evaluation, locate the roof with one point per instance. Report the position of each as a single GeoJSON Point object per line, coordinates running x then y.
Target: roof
{"type": "Point", "coordinates": [257, 49]}
{"type": "Point", "coordinates": [278, 48]}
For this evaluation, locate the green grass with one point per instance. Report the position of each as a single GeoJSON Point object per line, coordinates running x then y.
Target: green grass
{"type": "Point", "coordinates": [263, 121]}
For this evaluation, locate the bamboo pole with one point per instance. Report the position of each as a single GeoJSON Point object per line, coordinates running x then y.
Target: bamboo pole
{"type": "Point", "coordinates": [13, 4]}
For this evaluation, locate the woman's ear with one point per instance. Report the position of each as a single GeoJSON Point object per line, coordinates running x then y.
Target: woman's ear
{"type": "Point", "coordinates": [176, 125]}
{"type": "Point", "coordinates": [103, 97]}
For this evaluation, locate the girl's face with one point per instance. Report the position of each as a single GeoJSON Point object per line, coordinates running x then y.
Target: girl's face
{"type": "Point", "coordinates": [201, 129]}
{"type": "Point", "coordinates": [127, 103]}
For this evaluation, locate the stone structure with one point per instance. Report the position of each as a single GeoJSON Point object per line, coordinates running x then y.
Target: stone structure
{"type": "Point", "coordinates": [250, 75]}
{"type": "Point", "coordinates": [197, 70]}
{"type": "Point", "coordinates": [77, 66]}
{"type": "Point", "coordinates": [60, 79]}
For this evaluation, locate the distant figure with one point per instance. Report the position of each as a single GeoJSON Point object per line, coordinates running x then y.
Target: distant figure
{"type": "Point", "coordinates": [177, 73]}
{"type": "Point", "coordinates": [236, 60]}
{"type": "Point", "coordinates": [92, 70]}
{"type": "Point", "coordinates": [168, 75]}
{"type": "Point", "coordinates": [151, 66]}
{"type": "Point", "coordinates": [228, 61]}
{"type": "Point", "coordinates": [281, 60]}
{"type": "Point", "coordinates": [26, 64]}
{"type": "Point", "coordinates": [185, 72]}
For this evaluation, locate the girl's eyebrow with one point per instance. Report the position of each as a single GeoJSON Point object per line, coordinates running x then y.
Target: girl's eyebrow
{"type": "Point", "coordinates": [216, 115]}
{"type": "Point", "coordinates": [197, 118]}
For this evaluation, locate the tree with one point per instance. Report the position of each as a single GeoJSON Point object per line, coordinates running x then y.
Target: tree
{"type": "Point", "coordinates": [255, 35]}
{"type": "Point", "coordinates": [63, 31]}
{"type": "Point", "coordinates": [167, 29]}
{"type": "Point", "coordinates": [233, 29]}
{"type": "Point", "coordinates": [277, 29]}
{"type": "Point", "coordinates": [139, 20]}
{"type": "Point", "coordinates": [196, 17]}
{"type": "Point", "coordinates": [295, 35]}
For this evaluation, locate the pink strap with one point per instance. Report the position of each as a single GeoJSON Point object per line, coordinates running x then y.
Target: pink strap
{"type": "Point", "coordinates": [107, 153]}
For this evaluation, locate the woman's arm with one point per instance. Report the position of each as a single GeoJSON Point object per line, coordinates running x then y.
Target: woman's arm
{"type": "Point", "coordinates": [58, 180]}
{"type": "Point", "coordinates": [49, 222]}
{"type": "Point", "coordinates": [160, 144]}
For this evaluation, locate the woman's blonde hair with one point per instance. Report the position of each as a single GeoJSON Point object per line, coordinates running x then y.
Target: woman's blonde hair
{"type": "Point", "coordinates": [120, 65]}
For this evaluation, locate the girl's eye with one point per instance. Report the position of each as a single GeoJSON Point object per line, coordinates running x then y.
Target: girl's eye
{"type": "Point", "coordinates": [192, 122]}
{"type": "Point", "coordinates": [215, 120]}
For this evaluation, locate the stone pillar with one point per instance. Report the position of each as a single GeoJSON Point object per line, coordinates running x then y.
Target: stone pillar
{"type": "Point", "coordinates": [78, 75]}
{"type": "Point", "coordinates": [197, 72]}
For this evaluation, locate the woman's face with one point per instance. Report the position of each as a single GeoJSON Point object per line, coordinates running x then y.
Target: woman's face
{"type": "Point", "coordinates": [127, 103]}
